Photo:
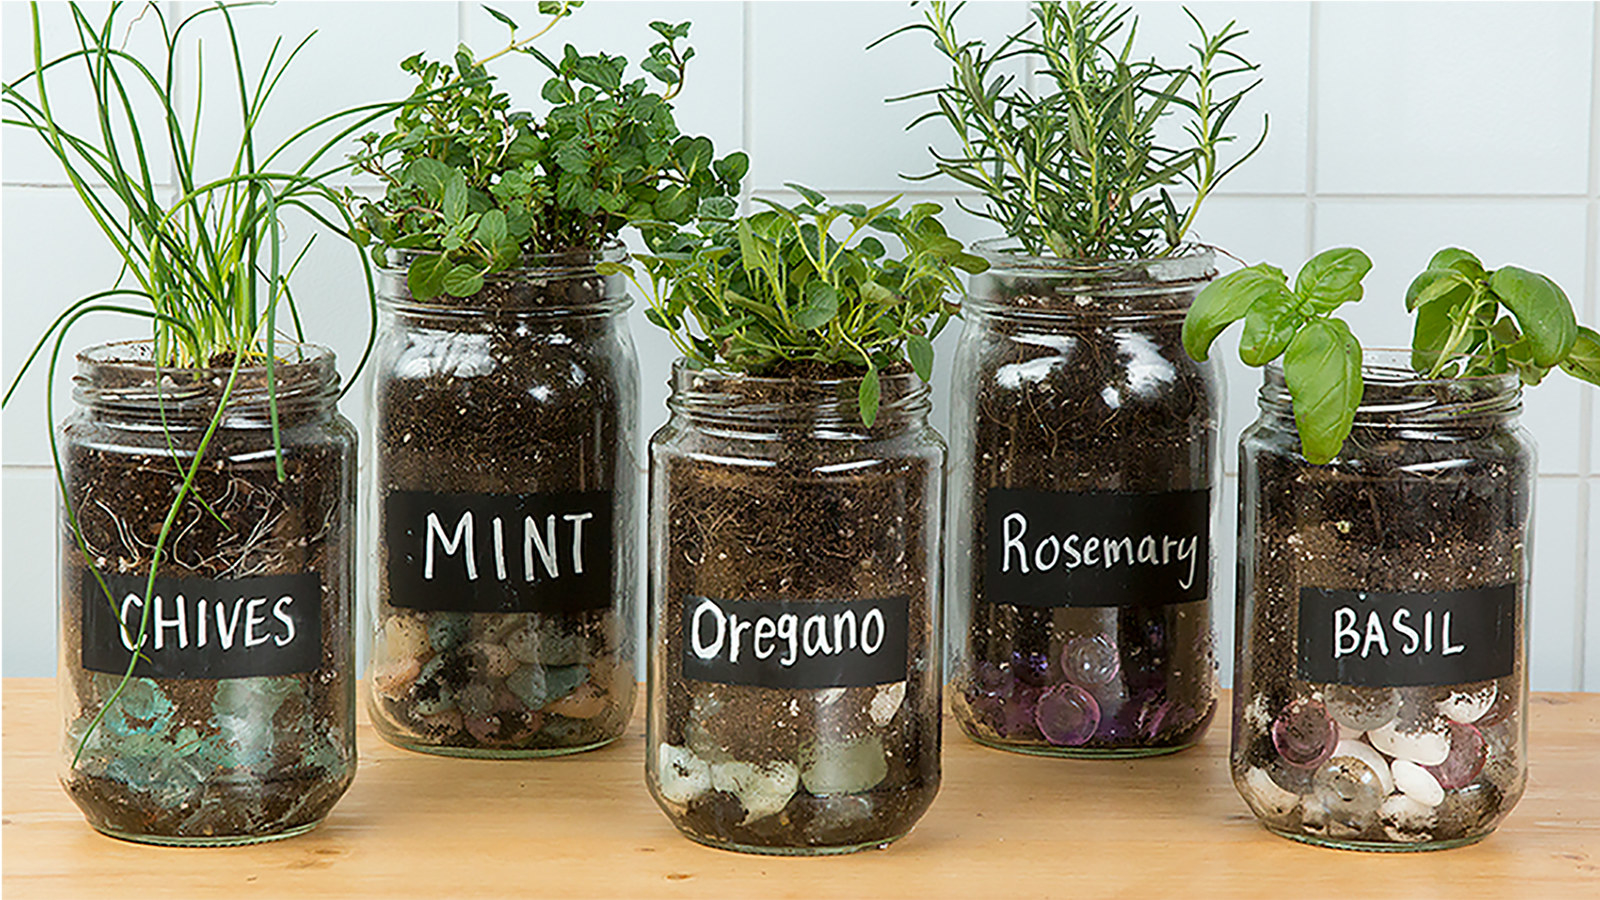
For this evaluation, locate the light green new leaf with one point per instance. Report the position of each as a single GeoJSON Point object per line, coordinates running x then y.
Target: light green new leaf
{"type": "Point", "coordinates": [1227, 300]}
{"type": "Point", "coordinates": [1332, 277]}
{"type": "Point", "coordinates": [1541, 308]}
{"type": "Point", "coordinates": [1435, 284]}
{"type": "Point", "coordinates": [1322, 368]}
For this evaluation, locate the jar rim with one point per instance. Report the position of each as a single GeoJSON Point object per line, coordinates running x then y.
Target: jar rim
{"type": "Point", "coordinates": [125, 375]}
{"type": "Point", "coordinates": [741, 397]}
{"type": "Point", "coordinates": [1191, 262]}
{"type": "Point", "coordinates": [1396, 395]}
{"type": "Point", "coordinates": [536, 268]}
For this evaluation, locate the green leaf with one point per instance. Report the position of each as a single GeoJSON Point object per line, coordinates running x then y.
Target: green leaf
{"type": "Point", "coordinates": [430, 175]}
{"type": "Point", "coordinates": [1269, 326]}
{"type": "Point", "coordinates": [869, 396]}
{"type": "Point", "coordinates": [1541, 308]}
{"type": "Point", "coordinates": [463, 281]}
{"type": "Point", "coordinates": [1322, 368]}
{"type": "Point", "coordinates": [732, 168]}
{"type": "Point", "coordinates": [822, 304]}
{"type": "Point", "coordinates": [920, 351]}
{"type": "Point", "coordinates": [811, 196]}
{"type": "Point", "coordinates": [491, 229]}
{"type": "Point", "coordinates": [455, 197]}
{"type": "Point", "coordinates": [1227, 300]}
{"type": "Point", "coordinates": [1583, 360]}
{"type": "Point", "coordinates": [1332, 277]}
{"type": "Point", "coordinates": [1437, 283]}
{"type": "Point", "coordinates": [502, 17]}
{"type": "Point", "coordinates": [1458, 260]}
{"type": "Point", "coordinates": [425, 275]}
{"type": "Point", "coordinates": [1432, 331]}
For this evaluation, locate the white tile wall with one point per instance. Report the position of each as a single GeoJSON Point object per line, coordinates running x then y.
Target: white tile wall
{"type": "Point", "coordinates": [1398, 127]}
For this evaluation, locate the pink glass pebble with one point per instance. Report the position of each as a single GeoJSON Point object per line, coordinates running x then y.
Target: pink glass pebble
{"type": "Point", "coordinates": [1067, 715]}
{"type": "Point", "coordinates": [1091, 660]}
{"type": "Point", "coordinates": [1465, 762]}
{"type": "Point", "coordinates": [1304, 734]}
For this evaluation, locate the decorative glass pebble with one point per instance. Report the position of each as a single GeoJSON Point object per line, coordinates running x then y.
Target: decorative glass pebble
{"type": "Point", "coordinates": [1465, 760]}
{"type": "Point", "coordinates": [1091, 661]}
{"type": "Point", "coordinates": [1426, 745]}
{"type": "Point", "coordinates": [1468, 706]}
{"type": "Point", "coordinates": [1067, 715]}
{"type": "Point", "coordinates": [1303, 734]}
{"type": "Point", "coordinates": [1374, 761]}
{"type": "Point", "coordinates": [1350, 789]}
{"type": "Point", "coordinates": [1361, 708]}
{"type": "Point", "coordinates": [1417, 783]}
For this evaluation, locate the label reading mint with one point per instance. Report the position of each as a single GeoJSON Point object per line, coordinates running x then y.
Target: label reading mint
{"type": "Point", "coordinates": [204, 628]}
{"type": "Point", "coordinates": [796, 644]}
{"type": "Point", "coordinates": [499, 553]}
{"type": "Point", "coordinates": [1047, 548]}
{"type": "Point", "coordinates": [1380, 639]}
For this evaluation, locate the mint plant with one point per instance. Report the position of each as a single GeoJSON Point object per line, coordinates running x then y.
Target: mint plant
{"type": "Point", "coordinates": [1470, 322]}
{"type": "Point", "coordinates": [472, 186]}
{"type": "Point", "coordinates": [774, 291]}
{"type": "Point", "coordinates": [1073, 166]}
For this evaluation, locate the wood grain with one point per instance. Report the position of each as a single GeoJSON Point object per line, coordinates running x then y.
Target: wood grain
{"type": "Point", "coordinates": [1003, 826]}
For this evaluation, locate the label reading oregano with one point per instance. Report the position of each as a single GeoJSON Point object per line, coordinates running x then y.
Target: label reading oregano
{"type": "Point", "coordinates": [203, 628]}
{"type": "Point", "coordinates": [499, 553]}
{"type": "Point", "coordinates": [1047, 548]}
{"type": "Point", "coordinates": [796, 644]}
{"type": "Point", "coordinates": [1381, 639]}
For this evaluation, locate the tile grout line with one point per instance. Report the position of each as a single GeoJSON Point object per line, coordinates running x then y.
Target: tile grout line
{"type": "Point", "coordinates": [1313, 20]}
{"type": "Point", "coordinates": [1591, 277]}
{"type": "Point", "coordinates": [746, 104]}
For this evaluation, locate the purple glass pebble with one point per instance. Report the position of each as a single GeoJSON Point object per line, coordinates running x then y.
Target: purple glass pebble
{"type": "Point", "coordinates": [1091, 660]}
{"type": "Point", "coordinates": [1017, 717]}
{"type": "Point", "coordinates": [1304, 734]}
{"type": "Point", "coordinates": [1067, 715]}
{"type": "Point", "coordinates": [1151, 717]}
{"type": "Point", "coordinates": [1030, 668]}
{"type": "Point", "coordinates": [1465, 762]}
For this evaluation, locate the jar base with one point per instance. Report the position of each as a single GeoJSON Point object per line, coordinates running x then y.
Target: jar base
{"type": "Point", "coordinates": [1078, 752]}
{"type": "Point", "coordinates": [497, 752]}
{"type": "Point", "coordinates": [222, 840]}
{"type": "Point", "coordinates": [760, 850]}
{"type": "Point", "coordinates": [1333, 843]}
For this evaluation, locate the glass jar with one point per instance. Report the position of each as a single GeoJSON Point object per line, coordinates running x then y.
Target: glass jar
{"type": "Point", "coordinates": [794, 690]}
{"type": "Point", "coordinates": [503, 497]}
{"type": "Point", "coordinates": [1381, 682]}
{"type": "Point", "coordinates": [238, 724]}
{"type": "Point", "coordinates": [1083, 467]}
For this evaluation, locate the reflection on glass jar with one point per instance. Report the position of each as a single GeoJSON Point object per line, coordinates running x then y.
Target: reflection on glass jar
{"type": "Point", "coordinates": [1380, 689]}
{"type": "Point", "coordinates": [794, 631]}
{"type": "Point", "coordinates": [1082, 468]}
{"type": "Point", "coordinates": [504, 490]}
{"type": "Point", "coordinates": [238, 725]}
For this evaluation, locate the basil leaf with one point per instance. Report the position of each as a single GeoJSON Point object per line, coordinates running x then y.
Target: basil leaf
{"type": "Point", "coordinates": [1583, 360]}
{"type": "Point", "coordinates": [1332, 277]}
{"type": "Point", "coordinates": [1459, 260]}
{"type": "Point", "coordinates": [1268, 327]}
{"type": "Point", "coordinates": [1227, 300]}
{"type": "Point", "coordinates": [1437, 283]}
{"type": "Point", "coordinates": [1432, 330]}
{"type": "Point", "coordinates": [1543, 311]}
{"type": "Point", "coordinates": [1322, 368]}
{"type": "Point", "coordinates": [920, 350]}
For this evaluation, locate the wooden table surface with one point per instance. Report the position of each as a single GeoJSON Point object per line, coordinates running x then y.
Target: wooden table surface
{"type": "Point", "coordinates": [1003, 826]}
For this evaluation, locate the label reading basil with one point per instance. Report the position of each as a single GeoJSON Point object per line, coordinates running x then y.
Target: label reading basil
{"type": "Point", "coordinates": [803, 644]}
{"type": "Point", "coordinates": [1048, 548]}
{"type": "Point", "coordinates": [505, 553]}
{"type": "Point", "coordinates": [1394, 640]}
{"type": "Point", "coordinates": [201, 628]}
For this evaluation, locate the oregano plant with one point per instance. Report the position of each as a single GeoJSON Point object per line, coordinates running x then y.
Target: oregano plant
{"type": "Point", "coordinates": [1073, 165]}
{"type": "Point", "coordinates": [473, 186]}
{"type": "Point", "coordinates": [1470, 321]}
{"type": "Point", "coordinates": [776, 291]}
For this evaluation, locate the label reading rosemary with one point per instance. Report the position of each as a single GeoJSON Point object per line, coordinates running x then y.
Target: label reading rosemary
{"type": "Point", "coordinates": [1393, 640]}
{"type": "Point", "coordinates": [1047, 548]}
{"type": "Point", "coordinates": [508, 553]}
{"type": "Point", "coordinates": [204, 628]}
{"type": "Point", "coordinates": [796, 644]}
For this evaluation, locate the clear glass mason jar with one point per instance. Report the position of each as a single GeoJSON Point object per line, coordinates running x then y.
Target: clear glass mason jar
{"type": "Point", "coordinates": [1083, 468]}
{"type": "Point", "coordinates": [503, 500]}
{"type": "Point", "coordinates": [239, 725]}
{"type": "Point", "coordinates": [794, 690]}
{"type": "Point", "coordinates": [1380, 692]}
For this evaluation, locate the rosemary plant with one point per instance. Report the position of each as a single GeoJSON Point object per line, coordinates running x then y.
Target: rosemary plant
{"type": "Point", "coordinates": [776, 291]}
{"type": "Point", "coordinates": [1073, 166]}
{"type": "Point", "coordinates": [473, 187]}
{"type": "Point", "coordinates": [208, 268]}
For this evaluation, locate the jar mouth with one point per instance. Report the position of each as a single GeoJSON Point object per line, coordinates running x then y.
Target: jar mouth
{"type": "Point", "coordinates": [542, 283]}
{"type": "Point", "coordinates": [1395, 394]}
{"type": "Point", "coordinates": [125, 375]}
{"type": "Point", "coordinates": [1022, 285]}
{"type": "Point", "coordinates": [742, 398]}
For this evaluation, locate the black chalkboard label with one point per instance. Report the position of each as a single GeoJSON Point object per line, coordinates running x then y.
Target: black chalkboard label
{"type": "Point", "coordinates": [796, 644]}
{"type": "Point", "coordinates": [1394, 640]}
{"type": "Point", "coordinates": [204, 629]}
{"type": "Point", "coordinates": [1048, 548]}
{"type": "Point", "coordinates": [499, 553]}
